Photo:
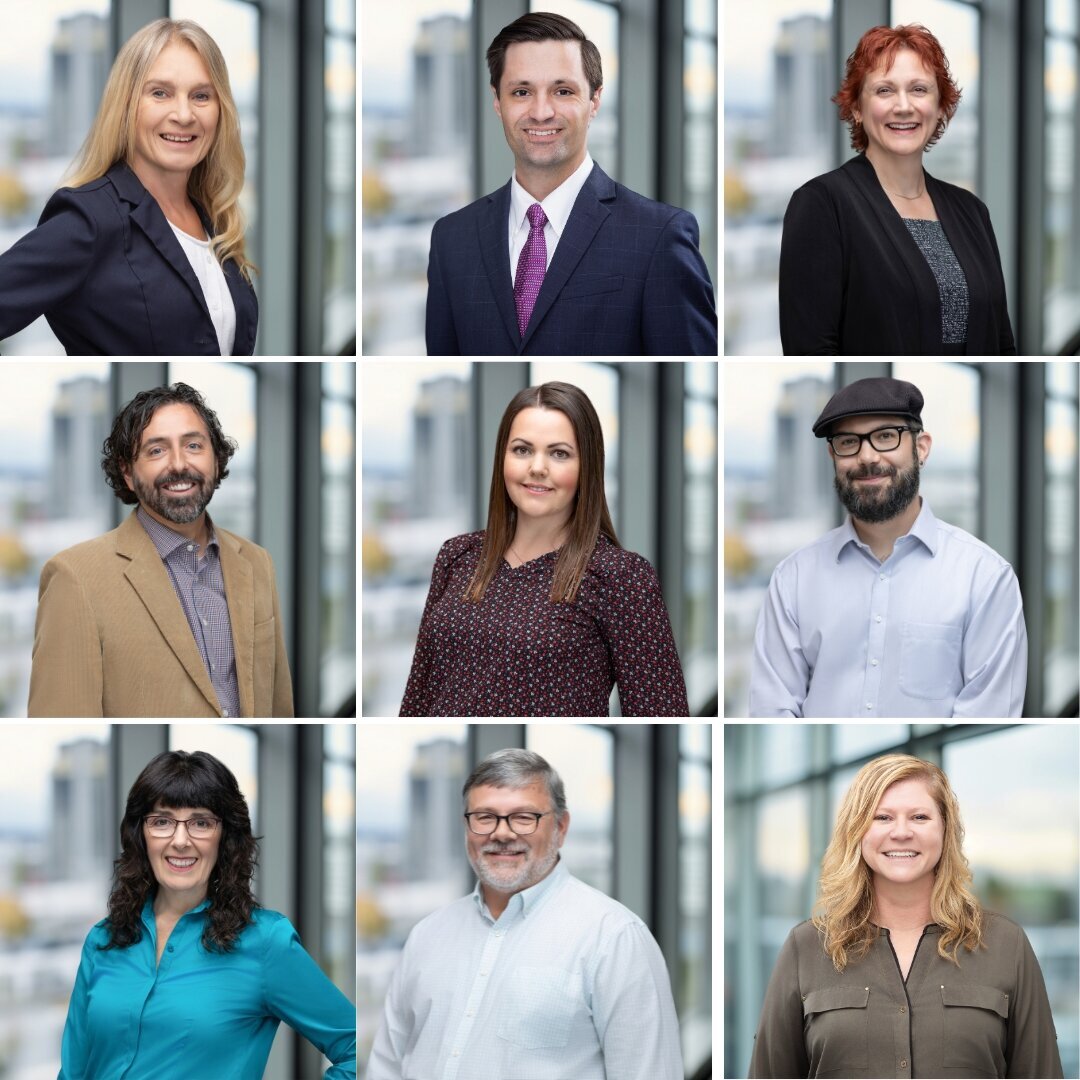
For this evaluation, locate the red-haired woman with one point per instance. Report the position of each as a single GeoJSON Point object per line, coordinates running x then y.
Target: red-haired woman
{"type": "Point", "coordinates": [543, 612]}
{"type": "Point", "coordinates": [878, 257]}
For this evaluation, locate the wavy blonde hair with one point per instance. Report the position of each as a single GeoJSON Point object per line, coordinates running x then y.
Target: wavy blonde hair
{"type": "Point", "coordinates": [846, 893]}
{"type": "Point", "coordinates": [216, 182]}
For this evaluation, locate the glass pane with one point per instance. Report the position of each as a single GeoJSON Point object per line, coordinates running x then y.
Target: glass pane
{"type": "Point", "coordinates": [339, 823]}
{"type": "Point", "coordinates": [341, 16]}
{"type": "Point", "coordinates": [1018, 795]}
{"type": "Point", "coordinates": [779, 125]}
{"type": "Point", "coordinates": [700, 16]}
{"type": "Point", "coordinates": [417, 490]}
{"type": "Point", "coordinates": [600, 24]}
{"type": "Point", "coordinates": [956, 157]}
{"type": "Point", "coordinates": [856, 740]}
{"type": "Point", "coordinates": [783, 862]}
{"type": "Point", "coordinates": [783, 752]}
{"type": "Point", "coordinates": [229, 389]}
{"type": "Point", "coordinates": [53, 68]}
{"type": "Point", "coordinates": [1061, 645]}
{"type": "Point", "coordinates": [339, 380]}
{"type": "Point", "coordinates": [410, 848]}
{"type": "Point", "coordinates": [694, 986]}
{"type": "Point", "coordinates": [234, 25]}
{"type": "Point", "coordinates": [1061, 257]}
{"type": "Point", "coordinates": [698, 644]}
{"type": "Point", "coordinates": [417, 155]}
{"type": "Point", "coordinates": [695, 742]}
{"type": "Point", "coordinates": [59, 840]}
{"type": "Point", "coordinates": [699, 142]}
{"type": "Point", "coordinates": [235, 747]}
{"type": "Point", "coordinates": [53, 419]}
{"type": "Point", "coordinates": [600, 383]}
{"type": "Point", "coordinates": [778, 493]}
{"type": "Point", "coordinates": [339, 241]}
{"type": "Point", "coordinates": [1062, 16]}
{"type": "Point", "coordinates": [337, 672]}
{"type": "Point", "coordinates": [950, 479]}
{"type": "Point", "coordinates": [584, 757]}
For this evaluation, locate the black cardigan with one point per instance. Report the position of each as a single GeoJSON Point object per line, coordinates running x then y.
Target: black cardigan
{"type": "Point", "coordinates": [854, 282]}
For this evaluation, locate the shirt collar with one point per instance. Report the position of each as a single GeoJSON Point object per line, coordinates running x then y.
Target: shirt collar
{"type": "Point", "coordinates": [165, 540]}
{"type": "Point", "coordinates": [529, 899]}
{"type": "Point", "coordinates": [557, 205]}
{"type": "Point", "coordinates": [925, 530]}
{"type": "Point", "coordinates": [148, 911]}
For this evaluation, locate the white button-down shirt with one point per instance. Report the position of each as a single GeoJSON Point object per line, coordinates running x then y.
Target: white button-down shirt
{"type": "Point", "coordinates": [566, 985]}
{"type": "Point", "coordinates": [557, 207]}
{"type": "Point", "coordinates": [937, 629]}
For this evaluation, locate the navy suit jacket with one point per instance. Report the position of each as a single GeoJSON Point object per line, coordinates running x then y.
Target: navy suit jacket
{"type": "Point", "coordinates": [627, 279]}
{"type": "Point", "coordinates": [104, 267]}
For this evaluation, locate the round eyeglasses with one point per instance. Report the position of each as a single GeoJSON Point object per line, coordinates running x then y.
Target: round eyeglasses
{"type": "Point", "coordinates": [521, 824]}
{"type": "Point", "coordinates": [882, 439]}
{"type": "Point", "coordinates": [198, 828]}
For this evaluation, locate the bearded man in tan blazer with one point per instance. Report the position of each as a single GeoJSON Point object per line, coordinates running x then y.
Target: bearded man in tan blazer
{"type": "Point", "coordinates": [167, 615]}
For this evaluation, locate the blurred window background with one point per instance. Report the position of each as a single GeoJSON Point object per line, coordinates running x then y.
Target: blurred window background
{"type": "Point", "coordinates": [427, 477]}
{"type": "Point", "coordinates": [699, 123]}
{"type": "Point", "coordinates": [235, 746]}
{"type": "Point", "coordinates": [411, 857]}
{"type": "Point", "coordinates": [339, 852]}
{"type": "Point", "coordinates": [1017, 787]}
{"type": "Point", "coordinates": [996, 430]}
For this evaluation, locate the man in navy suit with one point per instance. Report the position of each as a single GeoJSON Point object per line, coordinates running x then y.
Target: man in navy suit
{"type": "Point", "coordinates": [563, 261]}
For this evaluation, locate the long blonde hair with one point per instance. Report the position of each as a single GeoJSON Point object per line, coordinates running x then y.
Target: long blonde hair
{"type": "Point", "coordinates": [216, 182]}
{"type": "Point", "coordinates": [846, 893]}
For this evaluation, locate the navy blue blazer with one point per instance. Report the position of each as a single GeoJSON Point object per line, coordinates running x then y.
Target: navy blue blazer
{"type": "Point", "coordinates": [104, 267]}
{"type": "Point", "coordinates": [627, 279]}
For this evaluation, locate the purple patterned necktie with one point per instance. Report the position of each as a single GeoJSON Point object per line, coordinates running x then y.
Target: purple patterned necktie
{"type": "Point", "coordinates": [531, 267]}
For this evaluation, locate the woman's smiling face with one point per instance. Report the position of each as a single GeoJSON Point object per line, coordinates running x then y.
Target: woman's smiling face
{"type": "Point", "coordinates": [541, 465]}
{"type": "Point", "coordinates": [904, 842]}
{"type": "Point", "coordinates": [181, 863]}
{"type": "Point", "coordinates": [899, 108]}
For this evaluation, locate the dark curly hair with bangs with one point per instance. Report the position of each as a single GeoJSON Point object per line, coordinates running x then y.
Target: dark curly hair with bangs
{"type": "Point", "coordinates": [179, 780]}
{"type": "Point", "coordinates": [119, 449]}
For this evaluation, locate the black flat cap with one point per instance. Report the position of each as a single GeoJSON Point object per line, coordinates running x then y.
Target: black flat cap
{"type": "Point", "coordinates": [892, 396]}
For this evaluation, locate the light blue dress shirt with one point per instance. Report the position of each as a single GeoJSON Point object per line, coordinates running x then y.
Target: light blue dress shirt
{"type": "Point", "coordinates": [937, 629]}
{"type": "Point", "coordinates": [200, 1015]}
{"type": "Point", "coordinates": [566, 985]}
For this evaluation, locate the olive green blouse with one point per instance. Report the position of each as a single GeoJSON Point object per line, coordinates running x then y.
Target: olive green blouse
{"type": "Point", "coordinates": [988, 1017]}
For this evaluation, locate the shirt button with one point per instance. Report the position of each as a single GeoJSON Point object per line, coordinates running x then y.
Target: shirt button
{"type": "Point", "coordinates": [169, 948]}
{"type": "Point", "coordinates": [873, 663]}
{"type": "Point", "coordinates": [483, 974]}
{"type": "Point", "coordinates": [881, 577]}
{"type": "Point", "coordinates": [471, 1012]}
{"type": "Point", "coordinates": [205, 623]}
{"type": "Point", "coordinates": [903, 1063]}
{"type": "Point", "coordinates": [869, 705]}
{"type": "Point", "coordinates": [877, 618]}
{"type": "Point", "coordinates": [903, 1009]}
{"type": "Point", "coordinates": [191, 547]}
{"type": "Point", "coordinates": [213, 667]}
{"type": "Point", "coordinates": [455, 1053]}
{"type": "Point", "coordinates": [224, 712]}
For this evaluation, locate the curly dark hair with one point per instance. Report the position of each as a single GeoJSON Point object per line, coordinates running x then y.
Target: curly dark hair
{"type": "Point", "coordinates": [119, 449]}
{"type": "Point", "coordinates": [181, 780]}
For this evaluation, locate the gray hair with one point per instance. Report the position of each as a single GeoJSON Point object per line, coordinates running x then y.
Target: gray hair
{"type": "Point", "coordinates": [517, 769]}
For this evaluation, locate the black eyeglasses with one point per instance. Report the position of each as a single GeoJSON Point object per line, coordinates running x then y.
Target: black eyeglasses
{"type": "Point", "coordinates": [882, 439]}
{"type": "Point", "coordinates": [484, 823]}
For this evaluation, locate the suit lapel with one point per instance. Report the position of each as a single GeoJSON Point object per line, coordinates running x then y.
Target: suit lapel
{"type": "Point", "coordinates": [493, 227]}
{"type": "Point", "coordinates": [588, 214]}
{"type": "Point", "coordinates": [240, 596]}
{"type": "Point", "coordinates": [150, 580]}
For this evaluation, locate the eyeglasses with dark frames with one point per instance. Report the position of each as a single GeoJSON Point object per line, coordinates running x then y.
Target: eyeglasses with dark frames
{"type": "Point", "coordinates": [882, 439]}
{"type": "Point", "coordinates": [484, 823]}
{"type": "Point", "coordinates": [199, 827]}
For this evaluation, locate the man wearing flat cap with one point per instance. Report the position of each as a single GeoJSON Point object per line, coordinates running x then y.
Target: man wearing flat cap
{"type": "Point", "coordinates": [895, 613]}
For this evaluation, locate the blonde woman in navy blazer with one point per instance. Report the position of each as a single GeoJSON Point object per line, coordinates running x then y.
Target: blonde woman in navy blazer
{"type": "Point", "coordinates": [143, 252]}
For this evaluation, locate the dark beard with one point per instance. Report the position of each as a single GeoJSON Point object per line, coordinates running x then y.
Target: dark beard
{"type": "Point", "coordinates": [873, 505]}
{"type": "Point", "coordinates": [179, 511]}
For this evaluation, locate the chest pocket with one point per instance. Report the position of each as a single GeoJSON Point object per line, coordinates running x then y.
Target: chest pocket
{"type": "Point", "coordinates": [835, 1030]}
{"type": "Point", "coordinates": [539, 1008]}
{"type": "Point", "coordinates": [976, 1024]}
{"type": "Point", "coordinates": [930, 660]}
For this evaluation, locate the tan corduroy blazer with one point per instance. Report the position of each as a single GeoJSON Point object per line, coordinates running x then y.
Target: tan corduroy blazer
{"type": "Point", "coordinates": [112, 640]}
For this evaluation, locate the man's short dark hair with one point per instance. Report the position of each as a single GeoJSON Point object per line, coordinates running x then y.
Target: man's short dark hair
{"type": "Point", "coordinates": [544, 26]}
{"type": "Point", "coordinates": [119, 449]}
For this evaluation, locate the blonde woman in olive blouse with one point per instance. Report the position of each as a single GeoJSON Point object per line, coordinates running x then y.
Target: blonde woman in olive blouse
{"type": "Point", "coordinates": [902, 974]}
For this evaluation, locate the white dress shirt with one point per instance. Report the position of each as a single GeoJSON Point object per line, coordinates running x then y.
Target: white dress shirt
{"type": "Point", "coordinates": [937, 629]}
{"type": "Point", "coordinates": [215, 288]}
{"type": "Point", "coordinates": [566, 985]}
{"type": "Point", "coordinates": [556, 206]}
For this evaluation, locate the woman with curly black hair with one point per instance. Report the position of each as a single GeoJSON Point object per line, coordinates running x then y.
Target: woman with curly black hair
{"type": "Point", "coordinates": [188, 977]}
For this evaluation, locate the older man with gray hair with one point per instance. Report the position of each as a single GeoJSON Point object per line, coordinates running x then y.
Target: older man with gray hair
{"type": "Point", "coordinates": [535, 975]}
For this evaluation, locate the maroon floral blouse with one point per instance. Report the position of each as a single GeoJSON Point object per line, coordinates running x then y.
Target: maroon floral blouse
{"type": "Point", "coordinates": [515, 653]}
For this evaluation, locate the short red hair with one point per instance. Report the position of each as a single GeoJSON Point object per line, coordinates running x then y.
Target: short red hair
{"type": "Point", "coordinates": [878, 48]}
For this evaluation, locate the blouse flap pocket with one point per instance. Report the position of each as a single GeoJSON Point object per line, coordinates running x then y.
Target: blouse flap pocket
{"type": "Point", "coordinates": [973, 996]}
{"type": "Point", "coordinates": [835, 997]}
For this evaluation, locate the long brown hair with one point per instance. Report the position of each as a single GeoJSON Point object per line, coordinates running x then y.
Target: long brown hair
{"type": "Point", "coordinates": [589, 516]}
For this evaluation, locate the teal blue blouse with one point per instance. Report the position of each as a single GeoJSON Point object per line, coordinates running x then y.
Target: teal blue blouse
{"type": "Point", "coordinates": [200, 1014]}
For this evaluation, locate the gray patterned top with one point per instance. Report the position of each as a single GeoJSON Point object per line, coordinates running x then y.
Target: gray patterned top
{"type": "Point", "coordinates": [952, 285]}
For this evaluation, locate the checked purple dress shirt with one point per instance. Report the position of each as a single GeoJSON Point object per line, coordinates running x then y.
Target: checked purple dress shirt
{"type": "Point", "coordinates": [200, 587]}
